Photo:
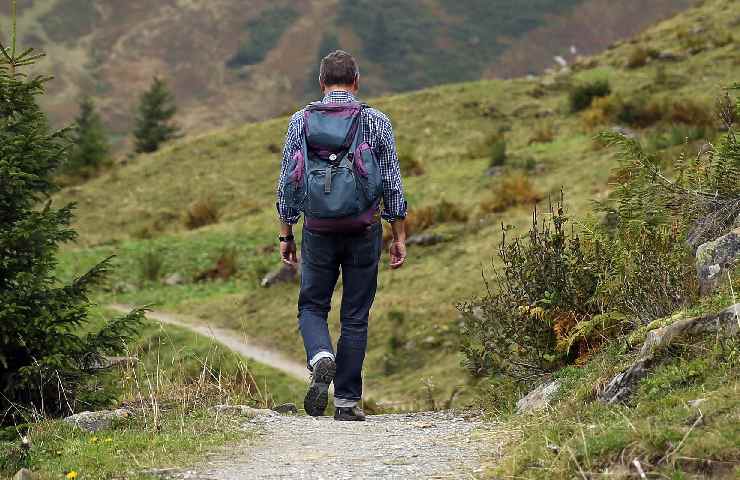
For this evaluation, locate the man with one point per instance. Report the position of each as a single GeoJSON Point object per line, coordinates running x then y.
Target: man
{"type": "Point", "coordinates": [329, 245]}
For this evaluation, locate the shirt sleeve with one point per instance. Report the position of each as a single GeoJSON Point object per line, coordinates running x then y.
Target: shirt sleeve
{"type": "Point", "coordinates": [394, 201]}
{"type": "Point", "coordinates": [292, 144]}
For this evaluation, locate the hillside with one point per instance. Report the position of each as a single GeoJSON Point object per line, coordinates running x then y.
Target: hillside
{"type": "Point", "coordinates": [232, 61]}
{"type": "Point", "coordinates": [138, 211]}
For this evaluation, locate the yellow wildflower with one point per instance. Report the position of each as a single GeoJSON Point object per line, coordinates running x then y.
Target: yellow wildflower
{"type": "Point", "coordinates": [71, 475]}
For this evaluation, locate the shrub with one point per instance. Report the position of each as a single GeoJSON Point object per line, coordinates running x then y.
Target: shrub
{"type": "Point", "coordinates": [691, 112]}
{"type": "Point", "coordinates": [582, 96]}
{"type": "Point", "coordinates": [410, 165]}
{"type": "Point", "coordinates": [46, 361]}
{"type": "Point", "coordinates": [226, 266]}
{"type": "Point", "coordinates": [638, 57]}
{"type": "Point", "coordinates": [559, 296]}
{"type": "Point", "coordinates": [423, 218]}
{"type": "Point", "coordinates": [543, 133]}
{"type": "Point", "coordinates": [640, 112]}
{"type": "Point", "coordinates": [201, 213]}
{"type": "Point", "coordinates": [151, 266]}
{"type": "Point", "coordinates": [498, 152]}
{"type": "Point", "coordinates": [511, 191]}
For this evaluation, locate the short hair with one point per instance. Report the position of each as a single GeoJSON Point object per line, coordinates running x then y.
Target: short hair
{"type": "Point", "coordinates": [338, 68]}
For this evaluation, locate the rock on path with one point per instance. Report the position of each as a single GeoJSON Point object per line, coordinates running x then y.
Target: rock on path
{"type": "Point", "coordinates": [401, 446]}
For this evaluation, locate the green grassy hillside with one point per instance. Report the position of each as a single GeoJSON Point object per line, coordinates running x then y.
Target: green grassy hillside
{"type": "Point", "coordinates": [234, 60]}
{"type": "Point", "coordinates": [139, 211]}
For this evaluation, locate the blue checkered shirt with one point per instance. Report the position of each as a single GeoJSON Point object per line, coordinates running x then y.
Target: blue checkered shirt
{"type": "Point", "coordinates": [378, 132]}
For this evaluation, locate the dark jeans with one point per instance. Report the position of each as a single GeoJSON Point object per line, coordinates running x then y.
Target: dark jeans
{"type": "Point", "coordinates": [322, 256]}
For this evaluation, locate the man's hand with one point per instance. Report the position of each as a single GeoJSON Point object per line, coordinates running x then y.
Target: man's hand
{"type": "Point", "coordinates": [398, 254]}
{"type": "Point", "coordinates": [398, 245]}
{"type": "Point", "coordinates": [288, 253]}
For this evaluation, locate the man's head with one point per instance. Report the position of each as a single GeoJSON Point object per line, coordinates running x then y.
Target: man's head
{"type": "Point", "coordinates": [339, 71]}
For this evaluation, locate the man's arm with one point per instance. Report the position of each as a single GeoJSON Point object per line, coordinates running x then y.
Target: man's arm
{"type": "Point", "coordinates": [394, 200]}
{"type": "Point", "coordinates": [288, 216]}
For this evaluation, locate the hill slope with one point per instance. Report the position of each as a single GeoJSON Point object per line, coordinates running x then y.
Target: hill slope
{"type": "Point", "coordinates": [137, 211]}
{"type": "Point", "coordinates": [234, 60]}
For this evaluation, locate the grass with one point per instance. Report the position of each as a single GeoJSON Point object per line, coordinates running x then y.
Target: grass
{"type": "Point", "coordinates": [180, 376]}
{"type": "Point", "coordinates": [150, 192]}
{"type": "Point", "coordinates": [662, 427]}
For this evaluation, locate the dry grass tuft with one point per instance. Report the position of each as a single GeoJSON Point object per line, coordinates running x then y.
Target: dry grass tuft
{"type": "Point", "coordinates": [201, 213]}
{"type": "Point", "coordinates": [513, 190]}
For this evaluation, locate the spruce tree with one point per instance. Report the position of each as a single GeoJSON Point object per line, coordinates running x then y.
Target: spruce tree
{"type": "Point", "coordinates": [90, 148]}
{"type": "Point", "coordinates": [154, 124]}
{"type": "Point", "coordinates": [44, 360]}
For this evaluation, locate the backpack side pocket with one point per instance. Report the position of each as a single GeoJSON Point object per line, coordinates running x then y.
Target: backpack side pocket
{"type": "Point", "coordinates": [294, 188]}
{"type": "Point", "coordinates": [368, 171]}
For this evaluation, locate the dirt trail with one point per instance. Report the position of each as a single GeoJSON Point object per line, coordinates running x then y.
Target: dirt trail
{"type": "Point", "coordinates": [232, 339]}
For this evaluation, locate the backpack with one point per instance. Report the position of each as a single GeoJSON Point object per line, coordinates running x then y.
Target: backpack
{"type": "Point", "coordinates": [334, 178]}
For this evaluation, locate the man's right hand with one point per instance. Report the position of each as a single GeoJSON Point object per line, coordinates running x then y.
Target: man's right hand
{"type": "Point", "coordinates": [288, 253]}
{"type": "Point", "coordinates": [398, 254]}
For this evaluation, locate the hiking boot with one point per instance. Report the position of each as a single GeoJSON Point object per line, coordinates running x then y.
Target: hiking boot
{"type": "Point", "coordinates": [349, 414]}
{"type": "Point", "coordinates": [317, 396]}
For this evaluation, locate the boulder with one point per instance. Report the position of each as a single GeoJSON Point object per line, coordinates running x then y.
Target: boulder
{"type": "Point", "coordinates": [625, 132]}
{"type": "Point", "coordinates": [23, 474]}
{"type": "Point", "coordinates": [425, 239]}
{"type": "Point", "coordinates": [282, 274]}
{"type": "Point", "coordinates": [244, 411]}
{"type": "Point", "coordinates": [539, 398]}
{"type": "Point", "coordinates": [106, 363]}
{"type": "Point", "coordinates": [727, 323]}
{"type": "Point", "coordinates": [714, 258]}
{"type": "Point", "coordinates": [174, 279]}
{"type": "Point", "coordinates": [95, 421]}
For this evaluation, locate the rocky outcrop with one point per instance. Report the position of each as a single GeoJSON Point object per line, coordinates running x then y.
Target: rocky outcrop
{"type": "Point", "coordinates": [714, 258]}
{"type": "Point", "coordinates": [282, 274]}
{"type": "Point", "coordinates": [24, 474]}
{"type": "Point", "coordinates": [95, 421]}
{"type": "Point", "coordinates": [726, 323]}
{"type": "Point", "coordinates": [539, 398]}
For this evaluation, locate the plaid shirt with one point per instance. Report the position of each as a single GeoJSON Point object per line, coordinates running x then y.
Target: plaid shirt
{"type": "Point", "coordinates": [378, 132]}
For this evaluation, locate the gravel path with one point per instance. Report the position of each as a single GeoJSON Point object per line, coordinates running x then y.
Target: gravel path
{"type": "Point", "coordinates": [436, 445]}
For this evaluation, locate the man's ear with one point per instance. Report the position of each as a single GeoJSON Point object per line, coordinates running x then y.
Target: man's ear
{"type": "Point", "coordinates": [323, 87]}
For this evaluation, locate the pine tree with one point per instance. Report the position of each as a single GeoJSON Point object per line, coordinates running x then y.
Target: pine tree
{"type": "Point", "coordinates": [154, 124]}
{"type": "Point", "coordinates": [44, 360]}
{"type": "Point", "coordinates": [90, 146]}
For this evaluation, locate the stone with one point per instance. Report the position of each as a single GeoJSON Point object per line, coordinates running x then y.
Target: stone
{"type": "Point", "coordinates": [539, 398]}
{"type": "Point", "coordinates": [282, 274]}
{"type": "Point", "coordinates": [23, 474]}
{"type": "Point", "coordinates": [425, 239]}
{"type": "Point", "coordinates": [714, 258]}
{"type": "Point", "coordinates": [625, 132]}
{"type": "Point", "coordinates": [244, 411]}
{"type": "Point", "coordinates": [96, 421]}
{"type": "Point", "coordinates": [494, 171]}
{"type": "Point", "coordinates": [619, 389]}
{"type": "Point", "coordinates": [669, 56]}
{"type": "Point", "coordinates": [286, 409]}
{"type": "Point", "coordinates": [726, 323]}
{"type": "Point", "coordinates": [174, 279]}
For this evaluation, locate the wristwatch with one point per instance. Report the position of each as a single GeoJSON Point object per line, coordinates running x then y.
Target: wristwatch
{"type": "Point", "coordinates": [289, 238]}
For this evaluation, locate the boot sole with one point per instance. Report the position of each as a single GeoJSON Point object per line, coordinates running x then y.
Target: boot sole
{"type": "Point", "coordinates": [317, 397]}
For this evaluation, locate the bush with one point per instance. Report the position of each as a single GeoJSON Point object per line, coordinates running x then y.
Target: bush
{"type": "Point", "coordinates": [582, 96]}
{"type": "Point", "coordinates": [511, 191]}
{"type": "Point", "coordinates": [559, 296]}
{"type": "Point", "coordinates": [498, 152]}
{"type": "Point", "coordinates": [151, 266]}
{"type": "Point", "coordinates": [410, 165]}
{"type": "Point", "coordinates": [638, 57]}
{"type": "Point", "coordinates": [420, 219]}
{"type": "Point", "coordinates": [640, 112]}
{"type": "Point", "coordinates": [543, 133]}
{"type": "Point", "coordinates": [201, 213]}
